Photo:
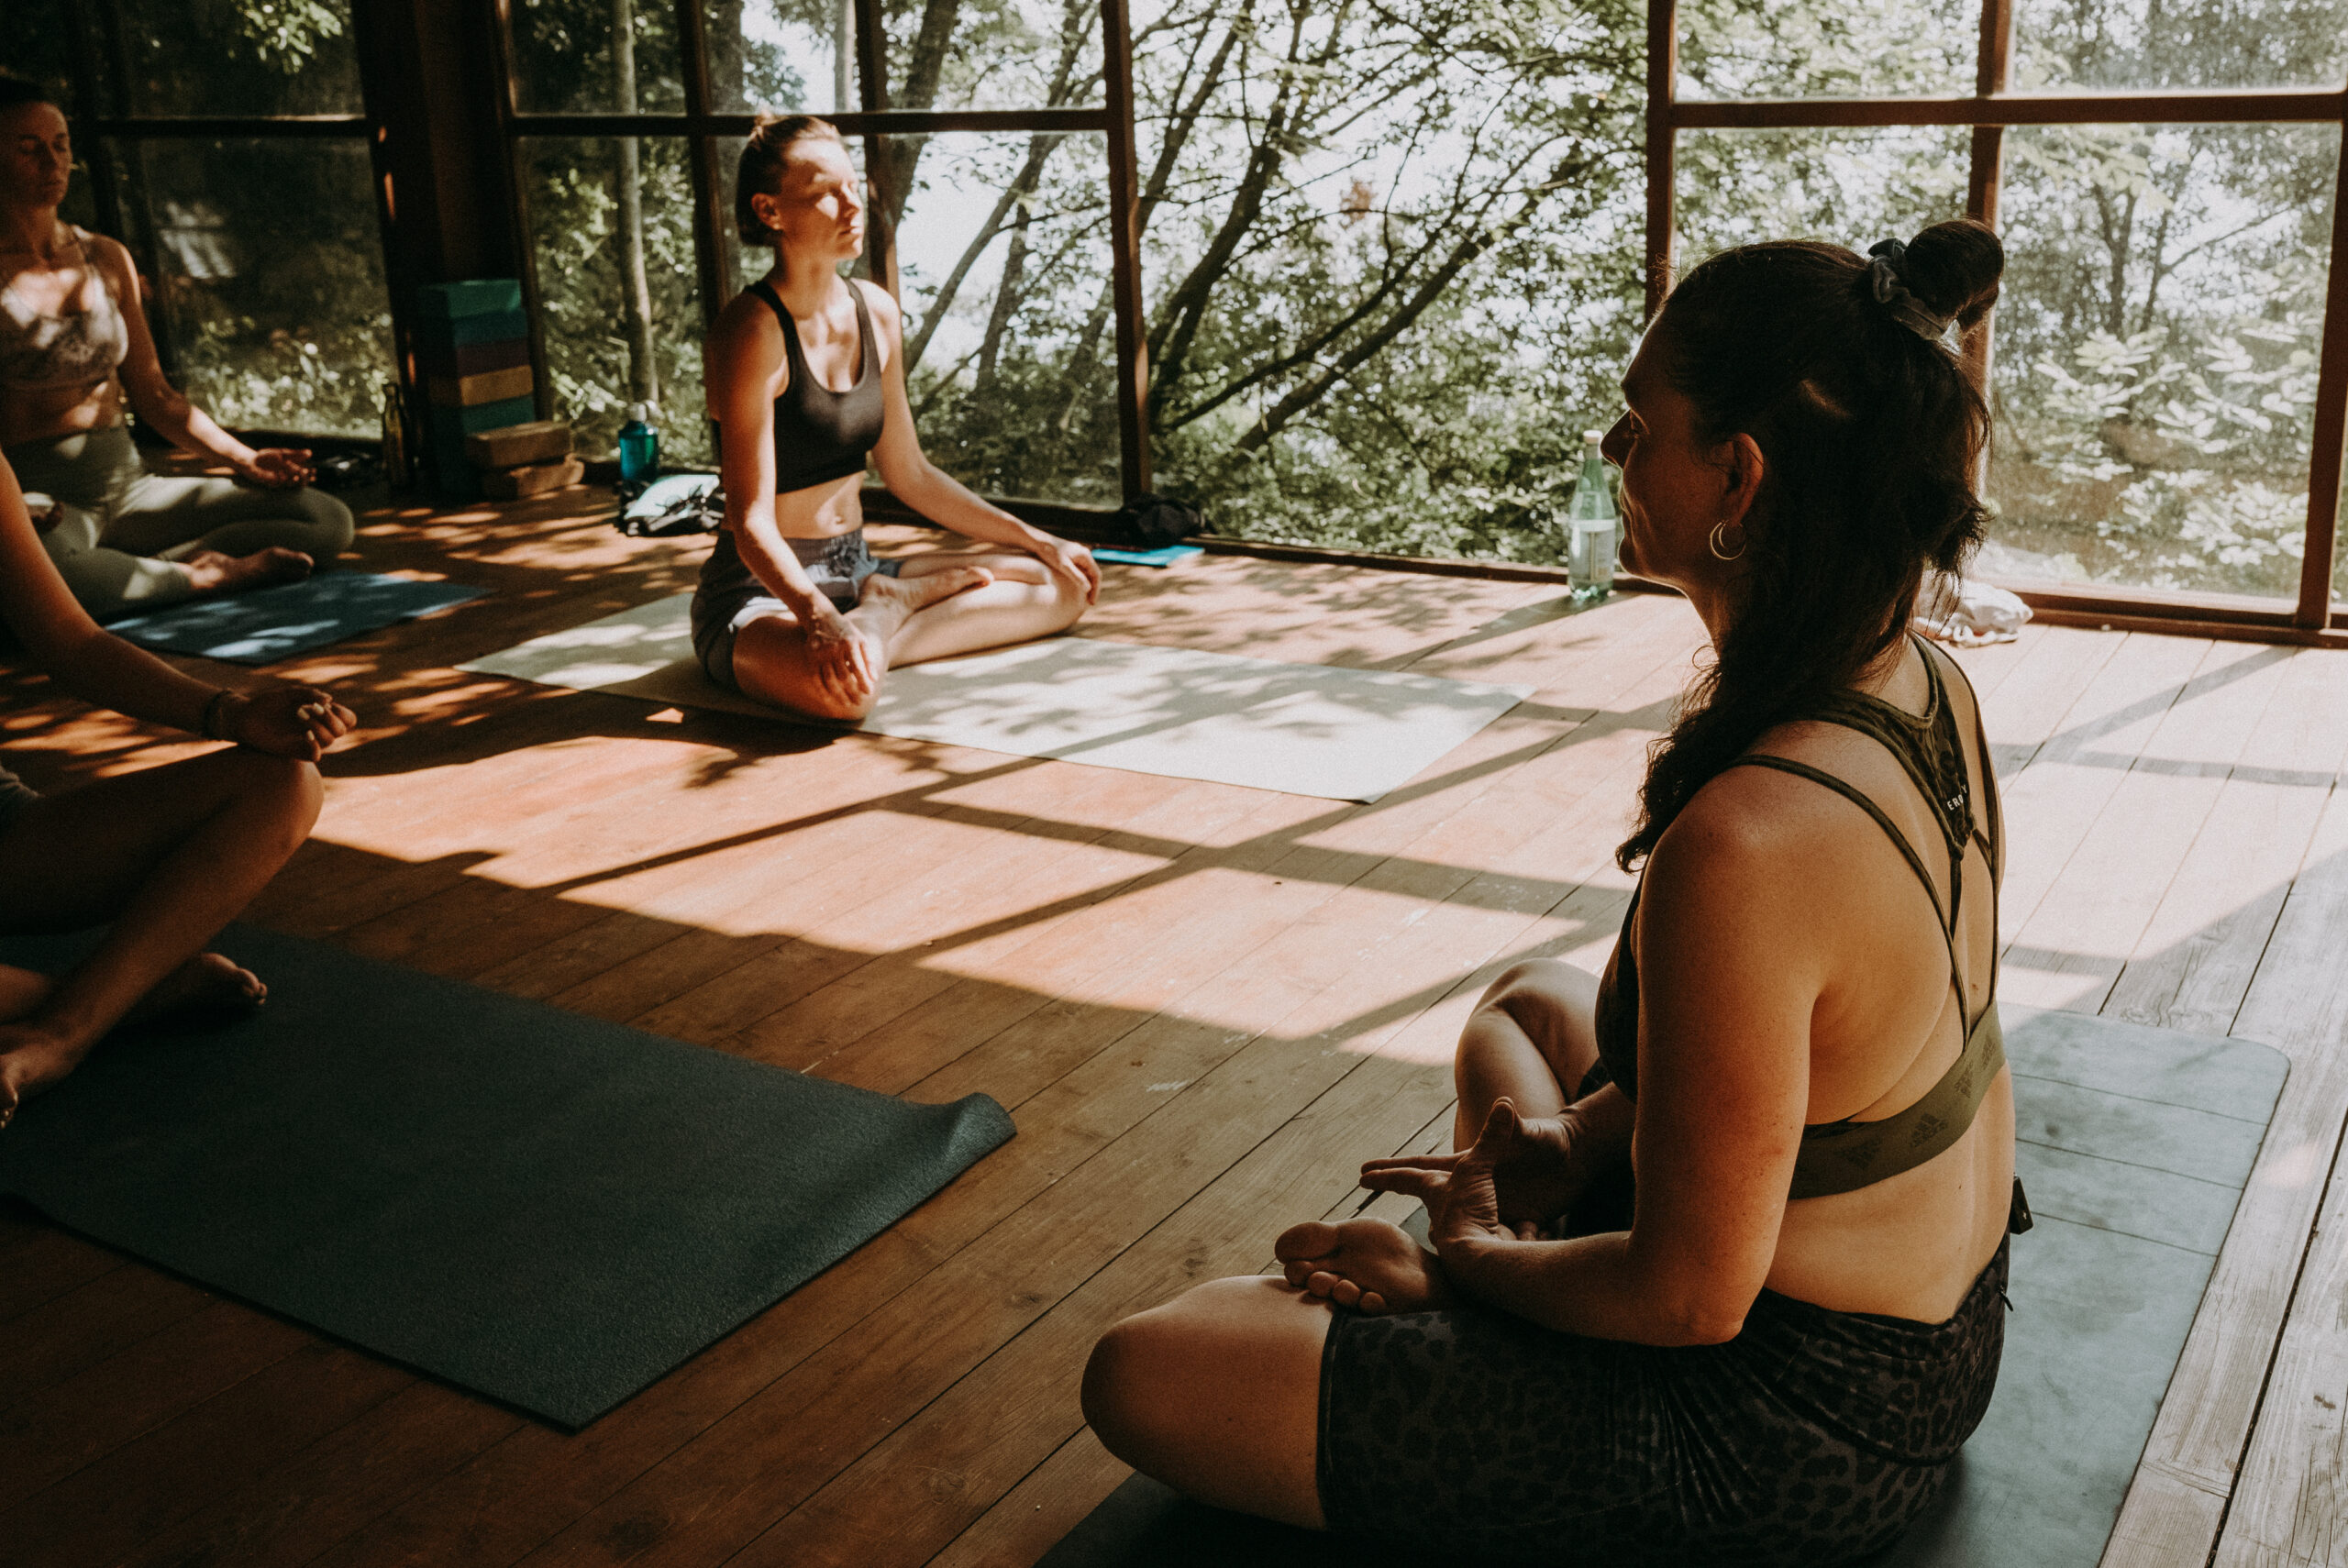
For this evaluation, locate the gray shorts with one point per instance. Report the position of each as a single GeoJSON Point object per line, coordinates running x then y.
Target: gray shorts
{"type": "Point", "coordinates": [730, 596]}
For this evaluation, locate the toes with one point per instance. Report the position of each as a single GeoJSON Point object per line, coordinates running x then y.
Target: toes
{"type": "Point", "coordinates": [1301, 1243]}
{"type": "Point", "coordinates": [1344, 1293]}
{"type": "Point", "coordinates": [1372, 1303]}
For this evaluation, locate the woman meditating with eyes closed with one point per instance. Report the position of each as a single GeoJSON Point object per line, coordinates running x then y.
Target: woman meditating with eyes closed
{"type": "Point", "coordinates": [1718, 1277]}
{"type": "Point", "coordinates": [806, 376]}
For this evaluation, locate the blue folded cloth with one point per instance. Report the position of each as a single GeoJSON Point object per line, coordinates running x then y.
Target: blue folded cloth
{"type": "Point", "coordinates": [1165, 554]}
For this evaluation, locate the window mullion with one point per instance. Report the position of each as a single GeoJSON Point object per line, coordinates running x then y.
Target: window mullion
{"type": "Point", "coordinates": [2331, 423]}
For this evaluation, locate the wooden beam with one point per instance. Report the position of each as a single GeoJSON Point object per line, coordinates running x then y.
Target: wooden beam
{"type": "Point", "coordinates": [874, 122]}
{"type": "Point", "coordinates": [1986, 181]}
{"type": "Point", "coordinates": [1663, 120]}
{"type": "Point", "coordinates": [1125, 250]}
{"type": "Point", "coordinates": [709, 208]}
{"type": "Point", "coordinates": [872, 87]}
{"type": "Point", "coordinates": [241, 128]}
{"type": "Point", "coordinates": [2256, 106]}
{"type": "Point", "coordinates": [2331, 421]}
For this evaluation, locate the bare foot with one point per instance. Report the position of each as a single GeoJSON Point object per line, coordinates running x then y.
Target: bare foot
{"type": "Point", "coordinates": [206, 985]}
{"type": "Point", "coordinates": [885, 602]}
{"type": "Point", "coordinates": [212, 572]}
{"type": "Point", "coordinates": [1366, 1263]}
{"type": "Point", "coordinates": [30, 1061]}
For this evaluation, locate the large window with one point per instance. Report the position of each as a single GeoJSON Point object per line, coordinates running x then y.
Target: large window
{"type": "Point", "coordinates": [226, 144]}
{"type": "Point", "coordinates": [996, 162]}
{"type": "Point", "coordinates": [2169, 357]}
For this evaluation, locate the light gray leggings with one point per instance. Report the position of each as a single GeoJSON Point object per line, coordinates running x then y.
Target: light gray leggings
{"type": "Point", "coordinates": [124, 531]}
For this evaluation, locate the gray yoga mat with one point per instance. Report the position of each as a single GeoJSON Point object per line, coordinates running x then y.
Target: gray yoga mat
{"type": "Point", "coordinates": [271, 623]}
{"type": "Point", "coordinates": [544, 1208]}
{"type": "Point", "coordinates": [1304, 729]}
{"type": "Point", "coordinates": [2135, 1144]}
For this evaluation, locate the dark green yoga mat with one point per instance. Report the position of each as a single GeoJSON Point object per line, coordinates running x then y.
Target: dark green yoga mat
{"type": "Point", "coordinates": [2135, 1144]}
{"type": "Point", "coordinates": [547, 1209]}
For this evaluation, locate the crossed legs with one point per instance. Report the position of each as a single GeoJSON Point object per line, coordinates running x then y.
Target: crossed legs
{"type": "Point", "coordinates": [937, 607]}
{"type": "Point", "coordinates": [1217, 1392]}
{"type": "Point", "coordinates": [169, 855]}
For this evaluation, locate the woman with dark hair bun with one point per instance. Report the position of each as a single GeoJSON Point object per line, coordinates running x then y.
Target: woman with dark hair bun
{"type": "Point", "coordinates": [807, 379]}
{"type": "Point", "coordinates": [1717, 1275]}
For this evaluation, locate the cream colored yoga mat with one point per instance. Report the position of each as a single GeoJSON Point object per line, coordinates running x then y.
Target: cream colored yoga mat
{"type": "Point", "coordinates": [1302, 729]}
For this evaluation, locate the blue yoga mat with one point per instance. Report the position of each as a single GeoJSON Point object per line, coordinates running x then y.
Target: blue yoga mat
{"type": "Point", "coordinates": [271, 623]}
{"type": "Point", "coordinates": [1164, 556]}
{"type": "Point", "coordinates": [545, 1208]}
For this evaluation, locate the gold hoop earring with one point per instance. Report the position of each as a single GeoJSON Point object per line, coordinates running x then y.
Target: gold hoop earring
{"type": "Point", "coordinates": [1721, 528]}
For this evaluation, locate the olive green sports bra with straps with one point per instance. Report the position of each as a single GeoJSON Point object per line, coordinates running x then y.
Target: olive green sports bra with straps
{"type": "Point", "coordinates": [1843, 1156]}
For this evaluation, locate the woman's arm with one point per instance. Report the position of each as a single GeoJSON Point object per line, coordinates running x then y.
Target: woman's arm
{"type": "Point", "coordinates": [744, 369]}
{"type": "Point", "coordinates": [913, 479]}
{"type": "Point", "coordinates": [163, 406]}
{"type": "Point", "coordinates": [104, 672]}
{"type": "Point", "coordinates": [1731, 968]}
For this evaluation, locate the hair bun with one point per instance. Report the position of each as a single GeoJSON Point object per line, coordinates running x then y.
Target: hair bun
{"type": "Point", "coordinates": [1953, 267]}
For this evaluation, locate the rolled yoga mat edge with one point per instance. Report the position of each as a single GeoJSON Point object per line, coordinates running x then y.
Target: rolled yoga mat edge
{"type": "Point", "coordinates": [550, 1210]}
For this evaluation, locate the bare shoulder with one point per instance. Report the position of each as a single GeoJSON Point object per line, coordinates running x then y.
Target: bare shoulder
{"type": "Point", "coordinates": [886, 313]}
{"type": "Point", "coordinates": [111, 256]}
{"type": "Point", "coordinates": [746, 320]}
{"type": "Point", "coordinates": [1754, 837]}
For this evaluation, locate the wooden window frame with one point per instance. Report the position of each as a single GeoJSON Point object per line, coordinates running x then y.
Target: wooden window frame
{"type": "Point", "coordinates": [1989, 110]}
{"type": "Point", "coordinates": [873, 120]}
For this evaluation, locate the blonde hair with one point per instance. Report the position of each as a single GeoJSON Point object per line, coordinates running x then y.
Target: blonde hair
{"type": "Point", "coordinates": [760, 171]}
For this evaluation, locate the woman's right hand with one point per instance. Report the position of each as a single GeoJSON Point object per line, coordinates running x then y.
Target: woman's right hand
{"type": "Point", "coordinates": [1540, 1166]}
{"type": "Point", "coordinates": [842, 660]}
{"type": "Point", "coordinates": [287, 720]}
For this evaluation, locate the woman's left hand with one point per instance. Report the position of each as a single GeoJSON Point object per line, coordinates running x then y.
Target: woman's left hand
{"type": "Point", "coordinates": [1072, 564]}
{"type": "Point", "coordinates": [1464, 1201]}
{"type": "Point", "coordinates": [279, 468]}
{"type": "Point", "coordinates": [289, 721]}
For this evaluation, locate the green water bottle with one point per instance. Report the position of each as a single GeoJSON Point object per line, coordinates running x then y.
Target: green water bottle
{"type": "Point", "coordinates": [1595, 527]}
{"type": "Point", "coordinates": [640, 446]}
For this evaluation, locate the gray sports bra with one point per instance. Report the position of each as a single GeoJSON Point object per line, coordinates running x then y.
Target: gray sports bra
{"type": "Point", "coordinates": [41, 352]}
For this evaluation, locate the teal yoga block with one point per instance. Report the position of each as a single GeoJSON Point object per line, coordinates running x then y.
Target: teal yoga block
{"type": "Point", "coordinates": [488, 415]}
{"type": "Point", "coordinates": [442, 338]}
{"type": "Point", "coordinates": [481, 296]}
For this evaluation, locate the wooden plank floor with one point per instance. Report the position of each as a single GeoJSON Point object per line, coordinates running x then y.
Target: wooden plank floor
{"type": "Point", "coordinates": [1205, 1005]}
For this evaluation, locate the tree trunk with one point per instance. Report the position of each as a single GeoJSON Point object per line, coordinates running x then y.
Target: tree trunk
{"type": "Point", "coordinates": [636, 289]}
{"type": "Point", "coordinates": [1006, 298]}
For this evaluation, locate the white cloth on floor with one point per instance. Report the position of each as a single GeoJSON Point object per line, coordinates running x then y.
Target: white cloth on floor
{"type": "Point", "coordinates": [1964, 614]}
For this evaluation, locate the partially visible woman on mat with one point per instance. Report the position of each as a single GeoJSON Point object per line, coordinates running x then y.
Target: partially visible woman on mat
{"type": "Point", "coordinates": [73, 344]}
{"type": "Point", "coordinates": [806, 377]}
{"type": "Point", "coordinates": [168, 854]}
{"type": "Point", "coordinates": [1719, 1275]}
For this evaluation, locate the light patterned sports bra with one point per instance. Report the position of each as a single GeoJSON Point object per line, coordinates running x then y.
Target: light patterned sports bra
{"type": "Point", "coordinates": [39, 352]}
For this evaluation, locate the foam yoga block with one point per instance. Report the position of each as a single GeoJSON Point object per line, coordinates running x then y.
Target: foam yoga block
{"type": "Point", "coordinates": [548, 1209]}
{"type": "Point", "coordinates": [2135, 1144]}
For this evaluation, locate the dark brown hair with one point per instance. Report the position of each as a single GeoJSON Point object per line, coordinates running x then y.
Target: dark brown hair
{"type": "Point", "coordinates": [761, 169]}
{"type": "Point", "coordinates": [17, 91]}
{"type": "Point", "coordinates": [1870, 435]}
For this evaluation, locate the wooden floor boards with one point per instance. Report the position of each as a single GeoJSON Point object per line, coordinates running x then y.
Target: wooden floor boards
{"type": "Point", "coordinates": [1205, 1005]}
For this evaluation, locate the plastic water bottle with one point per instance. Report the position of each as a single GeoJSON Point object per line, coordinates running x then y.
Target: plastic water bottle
{"type": "Point", "coordinates": [640, 446]}
{"type": "Point", "coordinates": [1596, 528]}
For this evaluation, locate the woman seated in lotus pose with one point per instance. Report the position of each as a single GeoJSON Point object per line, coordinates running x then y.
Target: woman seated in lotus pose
{"type": "Point", "coordinates": [1717, 1275]}
{"type": "Point", "coordinates": [73, 344]}
{"type": "Point", "coordinates": [806, 376]}
{"type": "Point", "coordinates": [168, 854]}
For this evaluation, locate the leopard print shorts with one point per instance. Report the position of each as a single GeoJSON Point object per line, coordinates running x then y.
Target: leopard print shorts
{"type": "Point", "coordinates": [1812, 1438]}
